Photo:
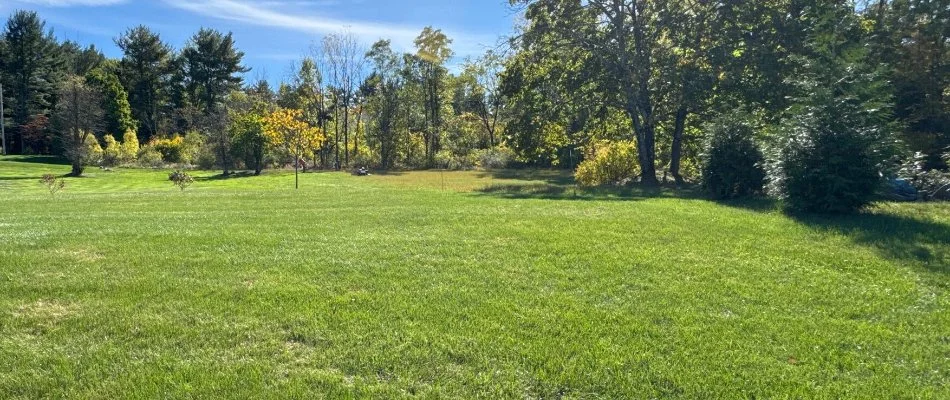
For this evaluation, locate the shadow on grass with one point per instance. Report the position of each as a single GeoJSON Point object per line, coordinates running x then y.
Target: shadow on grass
{"type": "Point", "coordinates": [897, 237]}
{"type": "Point", "coordinates": [548, 191]}
{"type": "Point", "coordinates": [550, 176]}
{"type": "Point", "coordinates": [36, 160]}
{"type": "Point", "coordinates": [222, 177]}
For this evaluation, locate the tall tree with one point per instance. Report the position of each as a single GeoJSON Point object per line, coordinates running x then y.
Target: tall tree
{"type": "Point", "coordinates": [486, 95]}
{"type": "Point", "coordinates": [622, 37]}
{"type": "Point", "coordinates": [115, 102]}
{"type": "Point", "coordinates": [32, 68]}
{"type": "Point", "coordinates": [212, 68]}
{"type": "Point", "coordinates": [78, 115]}
{"type": "Point", "coordinates": [145, 70]}
{"type": "Point", "coordinates": [433, 50]}
{"type": "Point", "coordinates": [80, 61]}
{"type": "Point", "coordinates": [382, 91]}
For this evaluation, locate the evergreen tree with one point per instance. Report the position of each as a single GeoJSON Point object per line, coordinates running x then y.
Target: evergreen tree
{"type": "Point", "coordinates": [31, 68]}
{"type": "Point", "coordinates": [145, 71]}
{"type": "Point", "coordinates": [211, 66]}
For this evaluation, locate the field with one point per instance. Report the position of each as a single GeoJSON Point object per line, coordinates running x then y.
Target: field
{"type": "Point", "coordinates": [493, 285]}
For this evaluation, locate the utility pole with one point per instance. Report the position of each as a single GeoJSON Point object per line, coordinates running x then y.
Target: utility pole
{"type": "Point", "coordinates": [3, 131]}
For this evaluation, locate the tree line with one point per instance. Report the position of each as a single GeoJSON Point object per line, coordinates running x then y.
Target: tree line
{"type": "Point", "coordinates": [626, 89]}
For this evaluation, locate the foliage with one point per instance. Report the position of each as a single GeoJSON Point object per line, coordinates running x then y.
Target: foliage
{"type": "Point", "coordinates": [78, 115]}
{"type": "Point", "coordinates": [144, 71]}
{"type": "Point", "coordinates": [149, 157]}
{"type": "Point", "coordinates": [211, 66]}
{"type": "Point", "coordinates": [250, 140]}
{"type": "Point", "coordinates": [733, 163]}
{"type": "Point", "coordinates": [172, 148]}
{"type": "Point", "coordinates": [115, 101]}
{"type": "Point", "coordinates": [181, 179]}
{"type": "Point", "coordinates": [286, 130]}
{"type": "Point", "coordinates": [932, 184]}
{"type": "Point", "coordinates": [30, 72]}
{"type": "Point", "coordinates": [609, 163]}
{"type": "Point", "coordinates": [832, 150]}
{"type": "Point", "coordinates": [193, 145]}
{"type": "Point", "coordinates": [494, 158]}
{"type": "Point", "coordinates": [130, 146]}
{"type": "Point", "coordinates": [112, 154]}
{"type": "Point", "coordinates": [53, 184]}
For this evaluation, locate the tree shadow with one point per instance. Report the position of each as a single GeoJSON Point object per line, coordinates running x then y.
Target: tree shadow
{"type": "Point", "coordinates": [550, 176]}
{"type": "Point", "coordinates": [223, 177]}
{"type": "Point", "coordinates": [54, 160]}
{"type": "Point", "coordinates": [755, 203]}
{"type": "Point", "coordinates": [548, 191]}
{"type": "Point", "coordinates": [896, 237]}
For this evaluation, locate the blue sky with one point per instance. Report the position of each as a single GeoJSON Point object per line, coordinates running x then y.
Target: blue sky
{"type": "Point", "coordinates": [275, 33]}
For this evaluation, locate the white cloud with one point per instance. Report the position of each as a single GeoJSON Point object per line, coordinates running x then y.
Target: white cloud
{"type": "Point", "coordinates": [71, 3]}
{"type": "Point", "coordinates": [252, 13]}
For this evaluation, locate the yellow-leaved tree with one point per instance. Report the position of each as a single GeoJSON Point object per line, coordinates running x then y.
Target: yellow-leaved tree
{"type": "Point", "coordinates": [287, 131]}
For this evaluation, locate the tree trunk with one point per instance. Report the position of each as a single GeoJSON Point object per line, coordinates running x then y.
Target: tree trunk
{"type": "Point", "coordinates": [296, 172]}
{"type": "Point", "coordinates": [356, 136]}
{"type": "Point", "coordinates": [346, 130]}
{"type": "Point", "coordinates": [676, 152]}
{"type": "Point", "coordinates": [77, 169]}
{"type": "Point", "coordinates": [336, 137]}
{"type": "Point", "coordinates": [645, 130]}
{"type": "Point", "coordinates": [646, 151]}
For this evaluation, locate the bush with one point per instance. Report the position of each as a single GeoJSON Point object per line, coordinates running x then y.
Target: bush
{"type": "Point", "coordinates": [149, 157]}
{"type": "Point", "coordinates": [93, 151]}
{"type": "Point", "coordinates": [181, 179]}
{"type": "Point", "coordinates": [446, 159]}
{"type": "Point", "coordinates": [172, 148]}
{"type": "Point", "coordinates": [53, 184]}
{"type": "Point", "coordinates": [732, 163]}
{"type": "Point", "coordinates": [831, 154]}
{"type": "Point", "coordinates": [497, 158]}
{"type": "Point", "coordinates": [112, 155]}
{"type": "Point", "coordinates": [130, 147]}
{"type": "Point", "coordinates": [609, 163]}
{"type": "Point", "coordinates": [206, 159]}
{"type": "Point", "coordinates": [192, 145]}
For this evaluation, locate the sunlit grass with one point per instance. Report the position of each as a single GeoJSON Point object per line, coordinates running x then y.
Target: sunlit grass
{"type": "Point", "coordinates": [496, 285]}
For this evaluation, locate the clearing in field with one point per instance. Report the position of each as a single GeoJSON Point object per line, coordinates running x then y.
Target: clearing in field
{"type": "Point", "coordinates": [479, 284]}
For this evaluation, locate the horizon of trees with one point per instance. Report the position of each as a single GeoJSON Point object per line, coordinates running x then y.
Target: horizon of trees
{"type": "Point", "coordinates": [577, 74]}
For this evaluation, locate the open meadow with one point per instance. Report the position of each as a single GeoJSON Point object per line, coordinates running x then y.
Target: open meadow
{"type": "Point", "coordinates": [460, 285]}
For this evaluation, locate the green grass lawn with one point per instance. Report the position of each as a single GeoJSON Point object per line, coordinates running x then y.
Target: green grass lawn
{"type": "Point", "coordinates": [457, 285]}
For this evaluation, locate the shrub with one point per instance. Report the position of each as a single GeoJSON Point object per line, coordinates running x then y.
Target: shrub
{"type": "Point", "coordinates": [830, 154]}
{"type": "Point", "coordinates": [446, 159]}
{"type": "Point", "coordinates": [53, 184]}
{"type": "Point", "coordinates": [93, 151]}
{"type": "Point", "coordinates": [192, 145]}
{"type": "Point", "coordinates": [149, 157]}
{"type": "Point", "coordinates": [112, 155]}
{"type": "Point", "coordinates": [172, 148]}
{"type": "Point", "coordinates": [732, 163]}
{"type": "Point", "coordinates": [609, 163]}
{"type": "Point", "coordinates": [206, 158]}
{"type": "Point", "coordinates": [181, 179]}
{"type": "Point", "coordinates": [130, 147]}
{"type": "Point", "coordinates": [497, 158]}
